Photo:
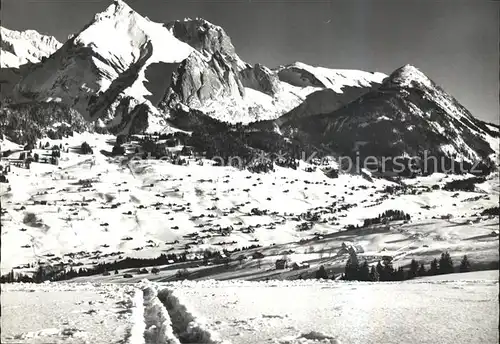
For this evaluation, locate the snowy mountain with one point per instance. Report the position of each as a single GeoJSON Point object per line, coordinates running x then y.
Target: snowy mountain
{"type": "Point", "coordinates": [229, 170]}
{"type": "Point", "coordinates": [405, 116]}
{"type": "Point", "coordinates": [130, 78]}
{"type": "Point", "coordinates": [104, 65]}
{"type": "Point", "coordinates": [19, 50]}
{"type": "Point", "coordinates": [21, 47]}
{"type": "Point", "coordinates": [127, 74]}
{"type": "Point", "coordinates": [221, 85]}
{"type": "Point", "coordinates": [302, 75]}
{"type": "Point", "coordinates": [333, 88]}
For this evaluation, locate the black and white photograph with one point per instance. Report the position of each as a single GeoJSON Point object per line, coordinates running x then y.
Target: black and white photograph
{"type": "Point", "coordinates": [249, 171]}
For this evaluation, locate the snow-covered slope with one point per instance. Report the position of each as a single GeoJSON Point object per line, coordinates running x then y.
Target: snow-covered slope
{"type": "Point", "coordinates": [90, 203]}
{"type": "Point", "coordinates": [303, 75]}
{"type": "Point", "coordinates": [300, 90]}
{"type": "Point", "coordinates": [21, 47]}
{"type": "Point", "coordinates": [324, 90]}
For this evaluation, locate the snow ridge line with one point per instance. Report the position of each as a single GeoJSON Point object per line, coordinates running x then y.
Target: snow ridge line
{"type": "Point", "coordinates": [158, 326]}
{"type": "Point", "coordinates": [136, 334]}
{"type": "Point", "coordinates": [187, 327]}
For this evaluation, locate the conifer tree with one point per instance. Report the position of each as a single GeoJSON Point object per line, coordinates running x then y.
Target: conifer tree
{"type": "Point", "coordinates": [388, 271]}
{"type": "Point", "coordinates": [374, 277]}
{"type": "Point", "coordinates": [39, 275]}
{"type": "Point", "coordinates": [321, 273]}
{"type": "Point", "coordinates": [413, 269]}
{"type": "Point", "coordinates": [380, 271]}
{"type": "Point", "coordinates": [399, 274]}
{"type": "Point", "coordinates": [445, 264]}
{"type": "Point", "coordinates": [351, 270]}
{"type": "Point", "coordinates": [364, 272]}
{"type": "Point", "coordinates": [434, 270]}
{"type": "Point", "coordinates": [465, 264]}
{"type": "Point", "coordinates": [421, 270]}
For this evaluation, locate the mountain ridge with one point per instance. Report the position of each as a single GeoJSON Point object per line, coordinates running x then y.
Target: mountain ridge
{"type": "Point", "coordinates": [216, 81]}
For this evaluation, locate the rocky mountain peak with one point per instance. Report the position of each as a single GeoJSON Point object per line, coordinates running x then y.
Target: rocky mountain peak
{"type": "Point", "coordinates": [202, 35]}
{"type": "Point", "coordinates": [107, 63]}
{"type": "Point", "coordinates": [205, 37]}
{"type": "Point", "coordinates": [117, 9]}
{"type": "Point", "coordinates": [260, 78]}
{"type": "Point", "coordinates": [409, 76]}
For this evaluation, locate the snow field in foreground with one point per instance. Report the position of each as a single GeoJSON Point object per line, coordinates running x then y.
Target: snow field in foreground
{"type": "Point", "coordinates": [288, 312]}
{"type": "Point", "coordinates": [93, 313]}
{"type": "Point", "coordinates": [56, 313]}
{"type": "Point", "coordinates": [241, 312]}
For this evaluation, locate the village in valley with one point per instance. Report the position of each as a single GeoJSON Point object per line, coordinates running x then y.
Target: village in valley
{"type": "Point", "coordinates": [203, 227]}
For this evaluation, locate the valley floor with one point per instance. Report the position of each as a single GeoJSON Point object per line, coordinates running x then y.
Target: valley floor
{"type": "Point", "coordinates": [240, 312]}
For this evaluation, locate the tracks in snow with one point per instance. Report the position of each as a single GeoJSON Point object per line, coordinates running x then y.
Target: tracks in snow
{"type": "Point", "coordinates": [168, 321]}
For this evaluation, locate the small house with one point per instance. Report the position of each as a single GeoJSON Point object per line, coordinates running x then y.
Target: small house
{"type": "Point", "coordinates": [257, 255]}
{"type": "Point", "coordinates": [299, 266]}
{"type": "Point", "coordinates": [281, 264]}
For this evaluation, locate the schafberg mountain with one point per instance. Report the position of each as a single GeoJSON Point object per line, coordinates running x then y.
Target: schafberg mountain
{"type": "Point", "coordinates": [407, 115]}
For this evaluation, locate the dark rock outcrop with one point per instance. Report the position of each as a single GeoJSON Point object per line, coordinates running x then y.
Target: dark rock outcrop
{"type": "Point", "coordinates": [260, 78]}
{"type": "Point", "coordinates": [299, 77]}
{"type": "Point", "coordinates": [208, 74]}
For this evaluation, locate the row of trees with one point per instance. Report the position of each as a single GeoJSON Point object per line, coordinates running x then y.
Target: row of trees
{"type": "Point", "coordinates": [386, 272]}
{"type": "Point", "coordinates": [60, 273]}
{"type": "Point", "coordinates": [386, 216]}
{"type": "Point", "coordinates": [468, 184]}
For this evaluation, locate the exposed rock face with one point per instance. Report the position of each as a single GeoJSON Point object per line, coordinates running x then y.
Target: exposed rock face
{"type": "Point", "coordinates": [260, 78]}
{"type": "Point", "coordinates": [209, 74]}
{"type": "Point", "coordinates": [198, 81]}
{"type": "Point", "coordinates": [205, 37]}
{"type": "Point", "coordinates": [218, 83]}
